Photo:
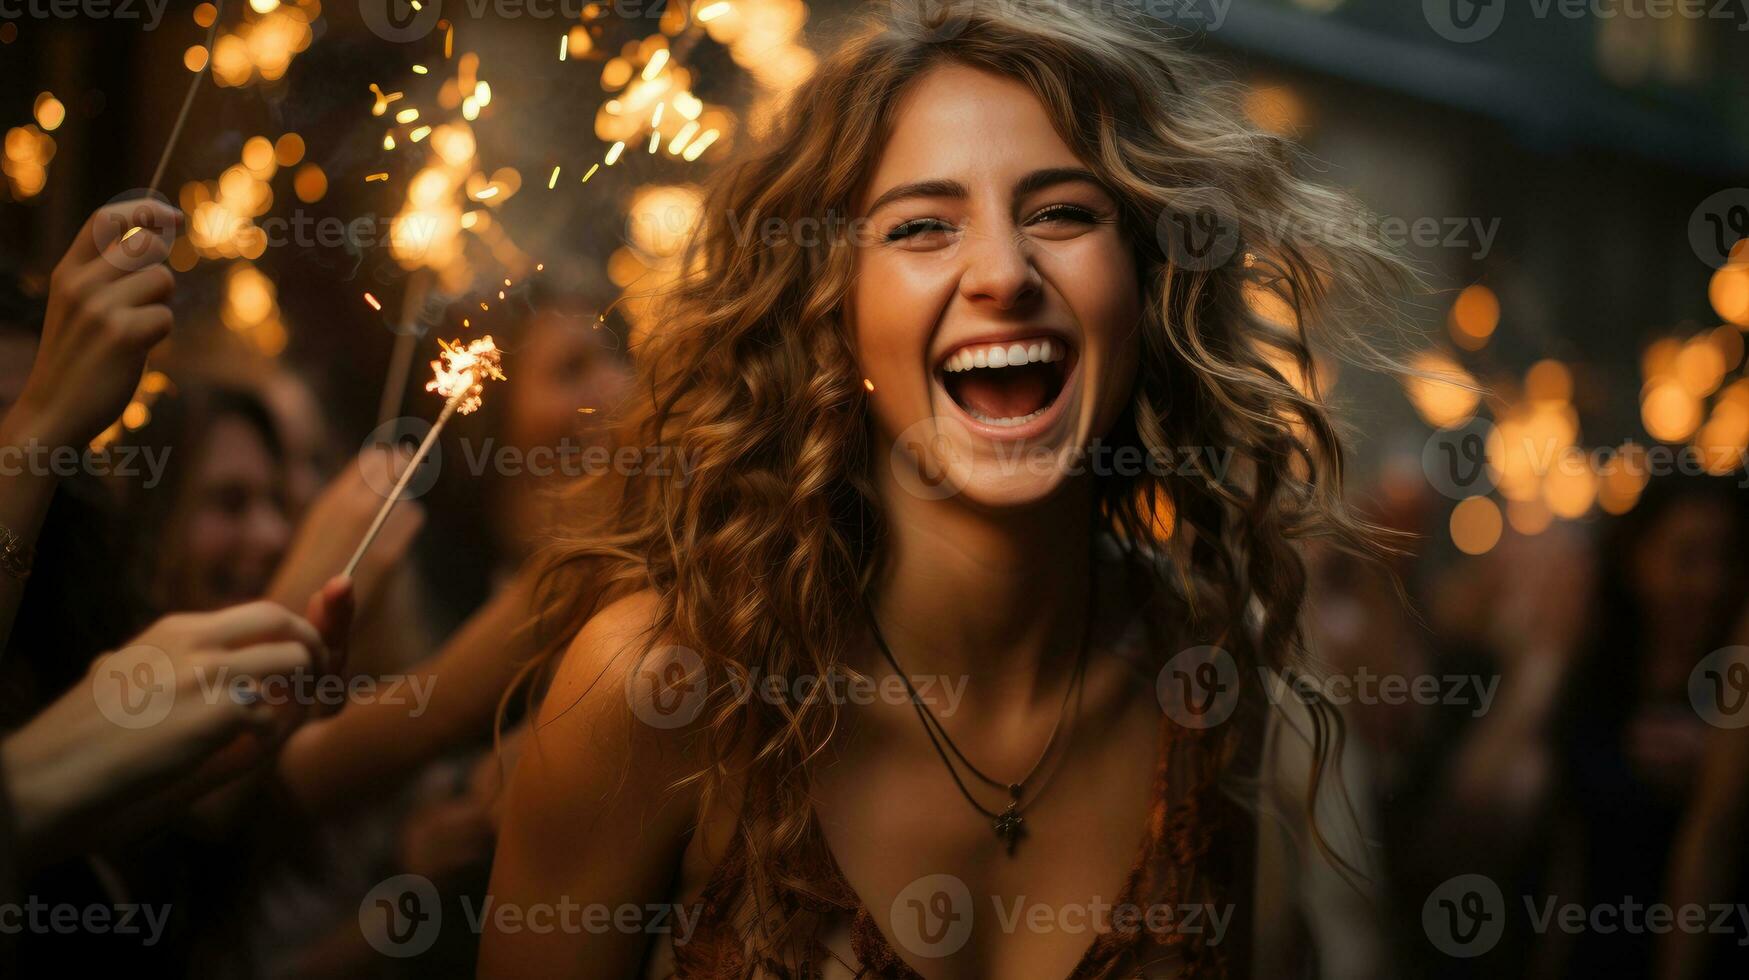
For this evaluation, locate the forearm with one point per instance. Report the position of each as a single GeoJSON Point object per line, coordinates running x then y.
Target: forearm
{"type": "Point", "coordinates": [1708, 849]}
{"type": "Point", "coordinates": [27, 485]}
{"type": "Point", "coordinates": [358, 752]}
{"type": "Point", "coordinates": [1701, 862]}
{"type": "Point", "coordinates": [63, 770]}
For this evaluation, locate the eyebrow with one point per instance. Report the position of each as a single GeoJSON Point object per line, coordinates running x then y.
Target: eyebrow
{"type": "Point", "coordinates": [1037, 180]}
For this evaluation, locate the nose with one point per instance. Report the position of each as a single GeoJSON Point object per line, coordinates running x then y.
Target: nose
{"type": "Point", "coordinates": [267, 532]}
{"type": "Point", "coordinates": [999, 271]}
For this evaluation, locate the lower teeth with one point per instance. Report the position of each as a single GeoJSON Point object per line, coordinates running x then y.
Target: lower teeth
{"type": "Point", "coordinates": [1020, 420]}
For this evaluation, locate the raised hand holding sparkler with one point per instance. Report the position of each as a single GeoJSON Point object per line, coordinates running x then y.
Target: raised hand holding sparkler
{"type": "Point", "coordinates": [460, 375]}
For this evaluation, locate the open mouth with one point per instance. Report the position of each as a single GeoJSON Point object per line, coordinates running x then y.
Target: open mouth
{"type": "Point", "coordinates": [1007, 383]}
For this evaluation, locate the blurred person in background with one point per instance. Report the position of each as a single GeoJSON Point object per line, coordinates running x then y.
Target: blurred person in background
{"type": "Point", "coordinates": [572, 373]}
{"type": "Point", "coordinates": [90, 800]}
{"type": "Point", "coordinates": [212, 532]}
{"type": "Point", "coordinates": [483, 523]}
{"type": "Point", "coordinates": [508, 460]}
{"type": "Point", "coordinates": [1577, 782]}
{"type": "Point", "coordinates": [78, 781]}
{"type": "Point", "coordinates": [1673, 583]}
{"type": "Point", "coordinates": [305, 434]}
{"type": "Point", "coordinates": [1707, 860]}
{"type": "Point", "coordinates": [61, 601]}
{"type": "Point", "coordinates": [434, 773]}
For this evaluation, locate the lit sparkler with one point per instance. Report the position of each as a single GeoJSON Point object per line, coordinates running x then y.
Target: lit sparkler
{"type": "Point", "coordinates": [459, 375]}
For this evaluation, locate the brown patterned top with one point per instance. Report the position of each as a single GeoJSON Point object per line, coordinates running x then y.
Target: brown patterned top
{"type": "Point", "coordinates": [1196, 837]}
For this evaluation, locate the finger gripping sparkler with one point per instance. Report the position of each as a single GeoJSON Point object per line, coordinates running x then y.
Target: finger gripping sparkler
{"type": "Point", "coordinates": [460, 375]}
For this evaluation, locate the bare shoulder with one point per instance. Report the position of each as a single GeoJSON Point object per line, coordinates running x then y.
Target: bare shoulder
{"type": "Point", "coordinates": [596, 812]}
{"type": "Point", "coordinates": [602, 652]}
{"type": "Point", "coordinates": [622, 685]}
{"type": "Point", "coordinates": [611, 735]}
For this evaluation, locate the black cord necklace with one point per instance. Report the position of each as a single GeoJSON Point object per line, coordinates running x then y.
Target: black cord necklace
{"type": "Point", "coordinates": [1009, 824]}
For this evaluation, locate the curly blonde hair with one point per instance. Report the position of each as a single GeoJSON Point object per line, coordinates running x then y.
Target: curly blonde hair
{"type": "Point", "coordinates": [758, 552]}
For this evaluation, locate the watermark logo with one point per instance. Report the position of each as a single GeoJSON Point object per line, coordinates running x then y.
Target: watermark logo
{"type": "Point", "coordinates": [932, 916]}
{"type": "Point", "coordinates": [131, 235]}
{"type": "Point", "coordinates": [1468, 460]}
{"type": "Point", "coordinates": [135, 687]}
{"type": "Point", "coordinates": [1465, 916]}
{"type": "Point", "coordinates": [1455, 460]}
{"type": "Point", "coordinates": [1718, 225]}
{"type": "Point", "coordinates": [401, 916]}
{"type": "Point", "coordinates": [1200, 231]}
{"type": "Point", "coordinates": [1199, 688]}
{"type": "Point", "coordinates": [400, 21]}
{"type": "Point", "coordinates": [667, 688]}
{"type": "Point", "coordinates": [928, 460]}
{"type": "Point", "coordinates": [1468, 21]}
{"type": "Point", "coordinates": [1718, 687]}
{"type": "Point", "coordinates": [407, 432]}
{"type": "Point", "coordinates": [1464, 21]}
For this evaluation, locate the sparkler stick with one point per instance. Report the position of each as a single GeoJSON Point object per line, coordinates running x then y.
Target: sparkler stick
{"type": "Point", "coordinates": [461, 374]}
{"type": "Point", "coordinates": [401, 358]}
{"type": "Point", "coordinates": [188, 100]}
{"type": "Point", "coordinates": [376, 525]}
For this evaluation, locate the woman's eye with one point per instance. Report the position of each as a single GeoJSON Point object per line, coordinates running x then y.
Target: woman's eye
{"type": "Point", "coordinates": [917, 227]}
{"type": "Point", "coordinates": [1058, 213]}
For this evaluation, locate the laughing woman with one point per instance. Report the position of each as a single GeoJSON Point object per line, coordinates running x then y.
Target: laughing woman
{"type": "Point", "coordinates": [944, 654]}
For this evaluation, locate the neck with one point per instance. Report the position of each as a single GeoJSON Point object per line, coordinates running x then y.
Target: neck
{"type": "Point", "coordinates": [997, 598]}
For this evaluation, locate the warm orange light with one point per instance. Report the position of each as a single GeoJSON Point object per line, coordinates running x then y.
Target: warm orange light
{"type": "Point", "coordinates": [50, 113]}
{"type": "Point", "coordinates": [310, 184]}
{"type": "Point", "coordinates": [1475, 525]}
{"type": "Point", "coordinates": [1669, 411]}
{"type": "Point", "coordinates": [1729, 292]}
{"type": "Point", "coordinates": [1476, 313]}
{"type": "Point", "coordinates": [288, 149]}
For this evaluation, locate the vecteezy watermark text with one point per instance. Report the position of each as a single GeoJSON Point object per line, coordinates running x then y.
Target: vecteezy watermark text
{"type": "Point", "coordinates": [572, 458]}
{"type": "Point", "coordinates": [37, 459]}
{"type": "Point", "coordinates": [1199, 688]}
{"type": "Point", "coordinates": [1466, 916]}
{"type": "Point", "coordinates": [670, 686]}
{"type": "Point", "coordinates": [138, 686]}
{"type": "Point", "coordinates": [934, 916]}
{"type": "Point", "coordinates": [34, 915]}
{"type": "Point", "coordinates": [304, 687]}
{"type": "Point", "coordinates": [402, 917]}
{"type": "Point", "coordinates": [149, 12]}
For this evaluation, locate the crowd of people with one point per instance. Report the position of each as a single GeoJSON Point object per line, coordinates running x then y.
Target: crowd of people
{"type": "Point", "coordinates": [240, 832]}
{"type": "Point", "coordinates": [205, 556]}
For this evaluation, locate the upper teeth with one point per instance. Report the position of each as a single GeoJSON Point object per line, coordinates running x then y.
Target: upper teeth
{"type": "Point", "coordinates": [1004, 355]}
